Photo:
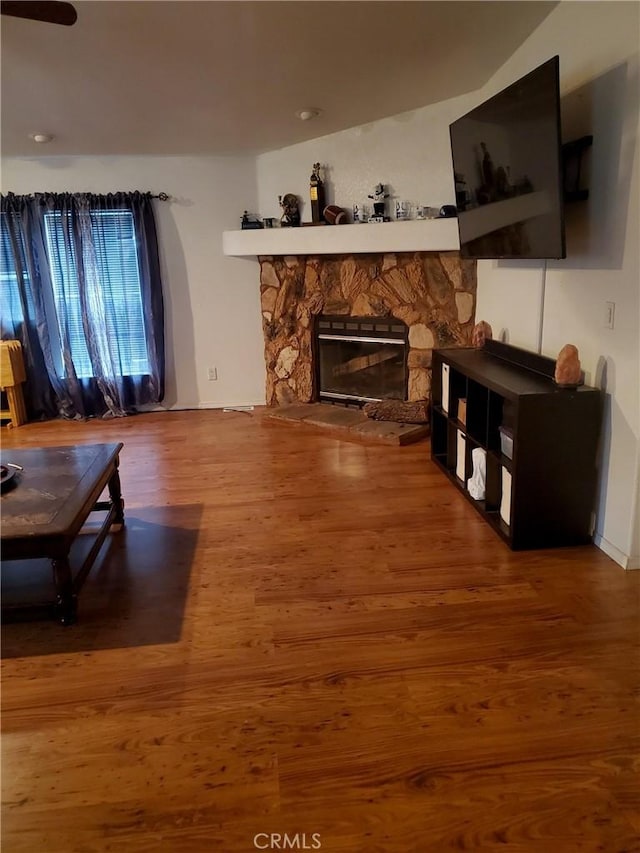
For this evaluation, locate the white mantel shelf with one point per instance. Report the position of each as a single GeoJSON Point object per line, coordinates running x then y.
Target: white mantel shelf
{"type": "Point", "coordinates": [429, 235]}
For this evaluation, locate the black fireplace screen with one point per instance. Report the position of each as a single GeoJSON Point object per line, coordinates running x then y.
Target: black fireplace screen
{"type": "Point", "coordinates": [361, 359]}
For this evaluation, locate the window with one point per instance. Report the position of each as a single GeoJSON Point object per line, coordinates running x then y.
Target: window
{"type": "Point", "coordinates": [80, 287]}
{"type": "Point", "coordinates": [11, 313]}
{"type": "Point", "coordinates": [113, 297]}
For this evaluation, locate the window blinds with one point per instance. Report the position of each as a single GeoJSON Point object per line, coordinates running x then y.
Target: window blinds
{"type": "Point", "coordinates": [113, 294]}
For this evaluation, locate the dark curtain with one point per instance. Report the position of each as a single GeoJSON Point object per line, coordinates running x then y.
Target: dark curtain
{"type": "Point", "coordinates": [81, 290]}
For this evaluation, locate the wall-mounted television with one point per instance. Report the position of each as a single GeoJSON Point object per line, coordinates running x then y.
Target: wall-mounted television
{"type": "Point", "coordinates": [507, 161]}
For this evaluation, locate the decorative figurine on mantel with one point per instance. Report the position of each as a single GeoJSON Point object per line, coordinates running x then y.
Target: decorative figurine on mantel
{"type": "Point", "coordinates": [316, 191]}
{"type": "Point", "coordinates": [334, 215]}
{"type": "Point", "coordinates": [290, 210]}
{"type": "Point", "coordinates": [249, 222]}
{"type": "Point", "coordinates": [378, 197]}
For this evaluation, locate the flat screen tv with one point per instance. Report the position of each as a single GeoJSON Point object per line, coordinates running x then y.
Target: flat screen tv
{"type": "Point", "coordinates": [507, 161]}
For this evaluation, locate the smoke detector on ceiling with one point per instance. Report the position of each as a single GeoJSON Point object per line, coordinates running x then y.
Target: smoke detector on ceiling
{"type": "Point", "coordinates": [308, 113]}
{"type": "Point", "coordinates": [41, 138]}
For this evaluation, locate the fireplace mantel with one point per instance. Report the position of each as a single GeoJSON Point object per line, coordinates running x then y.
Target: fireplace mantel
{"type": "Point", "coordinates": [429, 235]}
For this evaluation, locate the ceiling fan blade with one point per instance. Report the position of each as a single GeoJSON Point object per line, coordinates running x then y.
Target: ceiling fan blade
{"type": "Point", "coordinates": [52, 12]}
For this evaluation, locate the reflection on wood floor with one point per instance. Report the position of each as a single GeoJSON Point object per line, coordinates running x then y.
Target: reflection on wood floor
{"type": "Point", "coordinates": [304, 635]}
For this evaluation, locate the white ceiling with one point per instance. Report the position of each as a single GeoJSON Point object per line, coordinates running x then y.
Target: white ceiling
{"type": "Point", "coordinates": [179, 78]}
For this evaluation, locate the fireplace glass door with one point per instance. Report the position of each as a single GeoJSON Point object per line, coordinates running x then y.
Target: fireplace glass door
{"type": "Point", "coordinates": [361, 359]}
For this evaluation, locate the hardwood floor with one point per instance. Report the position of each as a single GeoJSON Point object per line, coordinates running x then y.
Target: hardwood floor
{"type": "Point", "coordinates": [303, 635]}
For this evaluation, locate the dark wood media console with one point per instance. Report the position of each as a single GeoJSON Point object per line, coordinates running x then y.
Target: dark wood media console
{"type": "Point", "coordinates": [543, 495]}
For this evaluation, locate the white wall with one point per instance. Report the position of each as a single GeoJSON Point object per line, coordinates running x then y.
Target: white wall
{"type": "Point", "coordinates": [409, 153]}
{"type": "Point", "coordinates": [598, 47]}
{"type": "Point", "coordinates": [212, 303]}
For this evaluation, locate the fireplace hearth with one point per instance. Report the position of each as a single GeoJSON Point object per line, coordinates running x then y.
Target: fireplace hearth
{"type": "Point", "coordinates": [360, 359]}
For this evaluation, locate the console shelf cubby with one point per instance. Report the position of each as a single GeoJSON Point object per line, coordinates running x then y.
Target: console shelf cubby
{"type": "Point", "coordinates": [543, 494]}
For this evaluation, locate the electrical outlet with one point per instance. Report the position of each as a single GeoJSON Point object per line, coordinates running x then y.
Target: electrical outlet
{"type": "Point", "coordinates": [609, 314]}
{"type": "Point", "coordinates": [212, 374]}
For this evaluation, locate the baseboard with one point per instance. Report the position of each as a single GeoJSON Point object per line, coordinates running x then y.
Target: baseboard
{"type": "Point", "coordinates": [229, 404]}
{"type": "Point", "coordinates": [627, 562]}
{"type": "Point", "coordinates": [195, 408]}
{"type": "Point", "coordinates": [150, 408]}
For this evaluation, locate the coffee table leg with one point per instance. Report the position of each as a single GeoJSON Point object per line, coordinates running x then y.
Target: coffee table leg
{"type": "Point", "coordinates": [66, 601]}
{"type": "Point", "coordinates": [116, 499]}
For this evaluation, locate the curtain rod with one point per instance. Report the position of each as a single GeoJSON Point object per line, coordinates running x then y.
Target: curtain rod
{"type": "Point", "coordinates": [160, 196]}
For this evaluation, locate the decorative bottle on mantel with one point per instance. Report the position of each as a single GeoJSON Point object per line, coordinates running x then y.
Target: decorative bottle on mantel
{"type": "Point", "coordinates": [316, 190]}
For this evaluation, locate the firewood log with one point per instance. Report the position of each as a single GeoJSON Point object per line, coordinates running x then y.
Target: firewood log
{"type": "Point", "coordinates": [400, 411]}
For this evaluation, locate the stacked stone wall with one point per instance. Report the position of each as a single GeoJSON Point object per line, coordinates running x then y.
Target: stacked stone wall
{"type": "Point", "coordinates": [434, 293]}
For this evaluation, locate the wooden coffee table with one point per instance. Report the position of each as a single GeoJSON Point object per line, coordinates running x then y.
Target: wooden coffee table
{"type": "Point", "coordinates": [48, 503]}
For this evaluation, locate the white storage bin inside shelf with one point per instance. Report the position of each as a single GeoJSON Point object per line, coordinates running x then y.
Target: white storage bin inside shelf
{"type": "Point", "coordinates": [506, 442]}
{"type": "Point", "coordinates": [461, 445]}
{"type": "Point", "coordinates": [505, 503]}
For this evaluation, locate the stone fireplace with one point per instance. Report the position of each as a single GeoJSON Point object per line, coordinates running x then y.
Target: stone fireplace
{"type": "Point", "coordinates": [432, 293]}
